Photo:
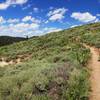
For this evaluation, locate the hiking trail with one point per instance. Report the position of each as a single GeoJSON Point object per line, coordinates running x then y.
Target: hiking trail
{"type": "Point", "coordinates": [94, 64]}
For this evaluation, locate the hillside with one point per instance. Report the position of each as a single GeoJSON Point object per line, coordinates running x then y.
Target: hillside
{"type": "Point", "coordinates": [49, 67]}
{"type": "Point", "coordinates": [6, 40]}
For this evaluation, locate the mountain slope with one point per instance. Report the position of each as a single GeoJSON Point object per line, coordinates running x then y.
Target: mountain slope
{"type": "Point", "coordinates": [6, 40]}
{"type": "Point", "coordinates": [89, 34]}
{"type": "Point", "coordinates": [52, 67]}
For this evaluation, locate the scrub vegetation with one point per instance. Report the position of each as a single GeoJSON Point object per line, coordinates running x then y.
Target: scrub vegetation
{"type": "Point", "coordinates": [53, 66]}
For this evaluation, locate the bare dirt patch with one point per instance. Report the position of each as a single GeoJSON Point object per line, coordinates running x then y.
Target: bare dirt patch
{"type": "Point", "coordinates": [95, 74]}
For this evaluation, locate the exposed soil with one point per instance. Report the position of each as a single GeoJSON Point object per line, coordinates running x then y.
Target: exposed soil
{"type": "Point", "coordinates": [20, 58]}
{"type": "Point", "coordinates": [94, 64]}
{"type": "Point", "coordinates": [4, 63]}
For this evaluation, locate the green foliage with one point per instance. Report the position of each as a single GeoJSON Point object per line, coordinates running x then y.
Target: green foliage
{"type": "Point", "coordinates": [53, 68]}
{"type": "Point", "coordinates": [7, 40]}
{"type": "Point", "coordinates": [78, 80]}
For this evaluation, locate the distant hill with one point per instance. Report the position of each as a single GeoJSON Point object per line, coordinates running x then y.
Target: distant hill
{"type": "Point", "coordinates": [6, 40]}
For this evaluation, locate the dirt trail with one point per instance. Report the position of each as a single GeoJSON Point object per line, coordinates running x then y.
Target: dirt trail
{"type": "Point", "coordinates": [95, 74]}
{"type": "Point", "coordinates": [20, 59]}
{"type": "Point", "coordinates": [3, 63]}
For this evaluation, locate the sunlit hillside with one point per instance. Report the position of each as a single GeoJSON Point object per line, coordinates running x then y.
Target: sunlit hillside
{"type": "Point", "coordinates": [49, 67]}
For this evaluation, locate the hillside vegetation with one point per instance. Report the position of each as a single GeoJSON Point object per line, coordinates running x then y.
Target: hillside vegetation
{"type": "Point", "coordinates": [53, 66]}
{"type": "Point", "coordinates": [6, 40]}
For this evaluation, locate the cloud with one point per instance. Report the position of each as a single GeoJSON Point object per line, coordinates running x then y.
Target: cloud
{"type": "Point", "coordinates": [21, 27]}
{"type": "Point", "coordinates": [57, 14]}
{"type": "Point", "coordinates": [27, 18]}
{"type": "Point", "coordinates": [1, 20]}
{"type": "Point", "coordinates": [3, 6]}
{"type": "Point", "coordinates": [98, 15]}
{"type": "Point", "coordinates": [8, 3]}
{"type": "Point", "coordinates": [16, 27]}
{"type": "Point", "coordinates": [28, 6]}
{"type": "Point", "coordinates": [83, 17]}
{"type": "Point", "coordinates": [56, 17]}
{"type": "Point", "coordinates": [16, 1]}
{"type": "Point", "coordinates": [31, 19]}
{"type": "Point", "coordinates": [36, 10]}
{"type": "Point", "coordinates": [97, 20]}
{"type": "Point", "coordinates": [51, 29]}
{"type": "Point", "coordinates": [13, 20]}
{"type": "Point", "coordinates": [73, 26]}
{"type": "Point", "coordinates": [26, 26]}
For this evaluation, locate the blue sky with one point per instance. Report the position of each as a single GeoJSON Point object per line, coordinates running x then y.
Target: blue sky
{"type": "Point", "coordinates": [37, 17]}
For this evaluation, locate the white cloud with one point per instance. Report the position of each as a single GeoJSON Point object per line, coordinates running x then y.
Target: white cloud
{"type": "Point", "coordinates": [47, 21]}
{"type": "Point", "coordinates": [56, 17]}
{"type": "Point", "coordinates": [27, 18]}
{"type": "Point", "coordinates": [26, 26]}
{"type": "Point", "coordinates": [36, 10]}
{"type": "Point", "coordinates": [13, 20]}
{"type": "Point", "coordinates": [8, 3]}
{"type": "Point", "coordinates": [51, 29]}
{"type": "Point", "coordinates": [28, 6]}
{"type": "Point", "coordinates": [46, 30]}
{"type": "Point", "coordinates": [98, 15]}
{"type": "Point", "coordinates": [18, 27]}
{"type": "Point", "coordinates": [23, 29]}
{"type": "Point", "coordinates": [3, 6]}
{"type": "Point", "coordinates": [83, 17]}
{"type": "Point", "coordinates": [73, 26]}
{"type": "Point", "coordinates": [1, 20]}
{"type": "Point", "coordinates": [30, 18]}
{"type": "Point", "coordinates": [57, 14]}
{"type": "Point", "coordinates": [97, 20]}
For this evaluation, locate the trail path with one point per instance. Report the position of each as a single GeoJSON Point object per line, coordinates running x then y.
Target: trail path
{"type": "Point", "coordinates": [95, 74]}
{"type": "Point", "coordinates": [3, 63]}
{"type": "Point", "coordinates": [20, 59]}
